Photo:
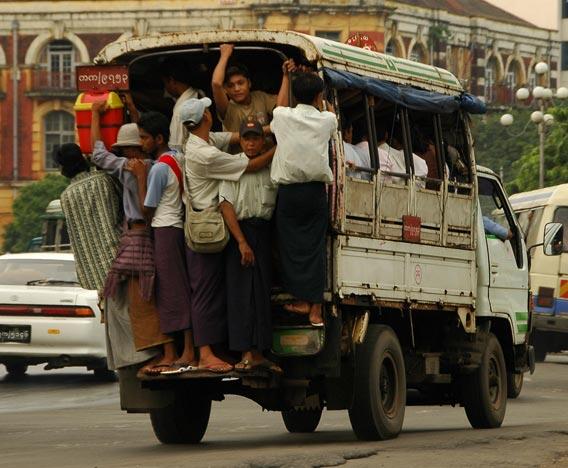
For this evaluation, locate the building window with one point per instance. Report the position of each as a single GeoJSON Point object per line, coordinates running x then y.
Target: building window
{"type": "Point", "coordinates": [60, 64]}
{"type": "Point", "coordinates": [390, 49]}
{"type": "Point", "coordinates": [490, 79]}
{"type": "Point", "coordinates": [331, 35]}
{"type": "Point", "coordinates": [564, 54]}
{"type": "Point", "coordinates": [418, 54]}
{"type": "Point", "coordinates": [59, 128]}
{"type": "Point", "coordinates": [532, 79]}
{"type": "Point", "coordinates": [564, 8]}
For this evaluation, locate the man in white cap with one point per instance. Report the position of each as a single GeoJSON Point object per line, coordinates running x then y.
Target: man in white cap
{"type": "Point", "coordinates": [207, 164]}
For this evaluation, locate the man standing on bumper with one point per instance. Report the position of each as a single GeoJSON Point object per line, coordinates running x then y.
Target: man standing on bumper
{"type": "Point", "coordinates": [162, 204]}
{"type": "Point", "coordinates": [205, 167]}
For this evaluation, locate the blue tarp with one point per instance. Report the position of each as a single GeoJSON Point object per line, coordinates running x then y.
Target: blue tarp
{"type": "Point", "coordinates": [416, 99]}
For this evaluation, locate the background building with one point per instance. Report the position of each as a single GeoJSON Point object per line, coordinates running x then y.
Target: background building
{"type": "Point", "coordinates": [41, 42]}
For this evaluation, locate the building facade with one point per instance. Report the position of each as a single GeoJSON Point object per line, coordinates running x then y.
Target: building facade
{"type": "Point", "coordinates": [41, 43]}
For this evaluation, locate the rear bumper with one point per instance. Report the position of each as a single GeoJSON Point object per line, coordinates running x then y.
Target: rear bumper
{"type": "Point", "coordinates": [553, 323]}
{"type": "Point", "coordinates": [78, 338]}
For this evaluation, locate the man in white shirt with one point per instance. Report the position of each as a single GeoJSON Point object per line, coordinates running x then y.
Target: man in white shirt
{"type": "Point", "coordinates": [354, 157]}
{"type": "Point", "coordinates": [247, 206]}
{"type": "Point", "coordinates": [301, 168]}
{"type": "Point", "coordinates": [396, 155]}
{"type": "Point", "coordinates": [206, 165]}
{"type": "Point", "coordinates": [178, 85]}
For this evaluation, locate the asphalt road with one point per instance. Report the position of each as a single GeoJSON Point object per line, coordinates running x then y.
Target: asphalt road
{"type": "Point", "coordinates": [66, 419]}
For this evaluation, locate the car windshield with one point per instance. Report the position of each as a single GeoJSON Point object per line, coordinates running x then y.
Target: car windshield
{"type": "Point", "coordinates": [17, 271]}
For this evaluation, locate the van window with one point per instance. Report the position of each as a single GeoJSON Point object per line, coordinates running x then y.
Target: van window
{"type": "Point", "coordinates": [529, 221]}
{"type": "Point", "coordinates": [494, 207]}
{"type": "Point", "coordinates": [561, 216]}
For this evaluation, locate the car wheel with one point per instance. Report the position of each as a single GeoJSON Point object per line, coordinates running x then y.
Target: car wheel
{"type": "Point", "coordinates": [484, 392]}
{"type": "Point", "coordinates": [301, 420]}
{"type": "Point", "coordinates": [183, 422]}
{"type": "Point", "coordinates": [514, 384]}
{"type": "Point", "coordinates": [16, 370]}
{"type": "Point", "coordinates": [379, 393]}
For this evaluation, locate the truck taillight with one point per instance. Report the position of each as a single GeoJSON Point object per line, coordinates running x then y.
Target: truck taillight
{"type": "Point", "coordinates": [45, 311]}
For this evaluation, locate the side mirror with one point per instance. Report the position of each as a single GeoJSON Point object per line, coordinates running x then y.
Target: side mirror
{"type": "Point", "coordinates": [553, 239]}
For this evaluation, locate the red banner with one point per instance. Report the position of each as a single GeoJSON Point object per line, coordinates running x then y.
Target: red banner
{"type": "Point", "coordinates": [102, 78]}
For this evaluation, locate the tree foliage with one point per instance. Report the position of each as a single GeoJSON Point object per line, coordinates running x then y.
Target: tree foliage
{"type": "Point", "coordinates": [28, 207]}
{"type": "Point", "coordinates": [526, 169]}
{"type": "Point", "coordinates": [498, 147]}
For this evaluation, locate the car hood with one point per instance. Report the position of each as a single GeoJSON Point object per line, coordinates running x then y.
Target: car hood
{"type": "Point", "coordinates": [40, 295]}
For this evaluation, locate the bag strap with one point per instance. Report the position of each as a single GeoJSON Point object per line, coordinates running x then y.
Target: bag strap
{"type": "Point", "coordinates": [174, 166]}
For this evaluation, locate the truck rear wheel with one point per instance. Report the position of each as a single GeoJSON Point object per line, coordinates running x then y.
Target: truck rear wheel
{"type": "Point", "coordinates": [183, 422]}
{"type": "Point", "coordinates": [514, 384]}
{"type": "Point", "coordinates": [485, 391]}
{"type": "Point", "coordinates": [379, 394]}
{"type": "Point", "coordinates": [301, 420]}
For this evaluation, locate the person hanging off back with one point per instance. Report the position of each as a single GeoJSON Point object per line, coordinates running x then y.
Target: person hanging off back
{"type": "Point", "coordinates": [234, 100]}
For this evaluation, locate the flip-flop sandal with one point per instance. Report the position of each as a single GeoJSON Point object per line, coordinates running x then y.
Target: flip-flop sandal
{"type": "Point", "coordinates": [243, 366]}
{"type": "Point", "coordinates": [156, 369]}
{"type": "Point", "coordinates": [179, 368]}
{"type": "Point", "coordinates": [216, 369]}
{"type": "Point", "coordinates": [269, 365]}
{"type": "Point", "coordinates": [316, 325]}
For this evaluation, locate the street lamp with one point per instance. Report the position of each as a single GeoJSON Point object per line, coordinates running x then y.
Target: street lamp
{"type": "Point", "coordinates": [543, 96]}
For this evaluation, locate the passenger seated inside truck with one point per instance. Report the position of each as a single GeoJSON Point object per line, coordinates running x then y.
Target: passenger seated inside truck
{"type": "Point", "coordinates": [355, 157]}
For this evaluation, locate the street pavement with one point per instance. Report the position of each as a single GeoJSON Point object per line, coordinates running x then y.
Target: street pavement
{"type": "Point", "coordinates": [66, 418]}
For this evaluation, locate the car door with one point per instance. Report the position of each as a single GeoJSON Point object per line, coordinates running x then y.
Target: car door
{"type": "Point", "coordinates": [508, 269]}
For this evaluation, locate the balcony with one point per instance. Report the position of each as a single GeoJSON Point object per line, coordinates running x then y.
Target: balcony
{"type": "Point", "coordinates": [50, 84]}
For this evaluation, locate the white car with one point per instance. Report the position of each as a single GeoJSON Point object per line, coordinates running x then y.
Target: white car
{"type": "Point", "coordinates": [46, 317]}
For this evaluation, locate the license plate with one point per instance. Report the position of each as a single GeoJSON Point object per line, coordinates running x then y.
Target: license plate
{"type": "Point", "coordinates": [15, 334]}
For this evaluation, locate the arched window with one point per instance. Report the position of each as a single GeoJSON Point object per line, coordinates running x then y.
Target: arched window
{"type": "Point", "coordinates": [490, 78]}
{"type": "Point", "coordinates": [391, 48]}
{"type": "Point", "coordinates": [58, 128]}
{"type": "Point", "coordinates": [418, 53]}
{"type": "Point", "coordinates": [514, 75]}
{"type": "Point", "coordinates": [57, 65]}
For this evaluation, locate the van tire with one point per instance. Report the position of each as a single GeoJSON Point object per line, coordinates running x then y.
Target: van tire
{"type": "Point", "coordinates": [514, 384]}
{"type": "Point", "coordinates": [484, 392]}
{"type": "Point", "coordinates": [16, 370]}
{"type": "Point", "coordinates": [379, 393]}
{"type": "Point", "coordinates": [183, 422]}
{"type": "Point", "coordinates": [298, 421]}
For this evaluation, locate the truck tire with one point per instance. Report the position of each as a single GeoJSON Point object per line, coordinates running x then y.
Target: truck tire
{"type": "Point", "coordinates": [379, 393]}
{"type": "Point", "coordinates": [183, 422]}
{"type": "Point", "coordinates": [484, 391]}
{"type": "Point", "coordinates": [514, 384]}
{"type": "Point", "coordinates": [16, 370]}
{"type": "Point", "coordinates": [301, 420]}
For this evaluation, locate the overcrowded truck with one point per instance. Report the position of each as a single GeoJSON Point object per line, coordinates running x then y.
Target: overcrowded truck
{"type": "Point", "coordinates": [424, 305]}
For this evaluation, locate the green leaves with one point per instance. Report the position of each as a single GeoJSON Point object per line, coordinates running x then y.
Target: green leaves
{"type": "Point", "coordinates": [28, 207]}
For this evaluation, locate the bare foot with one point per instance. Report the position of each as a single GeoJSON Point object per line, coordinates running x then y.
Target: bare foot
{"type": "Point", "coordinates": [298, 308]}
{"type": "Point", "coordinates": [316, 318]}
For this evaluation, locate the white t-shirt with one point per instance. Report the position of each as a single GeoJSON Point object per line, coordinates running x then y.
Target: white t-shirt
{"type": "Point", "coordinates": [360, 158]}
{"type": "Point", "coordinates": [164, 195]}
{"type": "Point", "coordinates": [253, 196]}
{"type": "Point", "coordinates": [178, 133]}
{"type": "Point", "coordinates": [302, 135]}
{"type": "Point", "coordinates": [385, 161]}
{"type": "Point", "coordinates": [206, 165]}
{"type": "Point", "coordinates": [399, 164]}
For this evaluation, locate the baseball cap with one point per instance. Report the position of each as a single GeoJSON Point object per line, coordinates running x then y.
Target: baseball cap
{"type": "Point", "coordinates": [192, 110]}
{"type": "Point", "coordinates": [127, 136]}
{"type": "Point", "coordinates": [251, 126]}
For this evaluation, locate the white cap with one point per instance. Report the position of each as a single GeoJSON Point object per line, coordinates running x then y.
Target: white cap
{"type": "Point", "coordinates": [128, 136]}
{"type": "Point", "coordinates": [192, 110]}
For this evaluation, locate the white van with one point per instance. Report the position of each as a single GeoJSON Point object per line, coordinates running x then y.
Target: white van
{"type": "Point", "coordinates": [421, 306]}
{"type": "Point", "coordinates": [549, 275]}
